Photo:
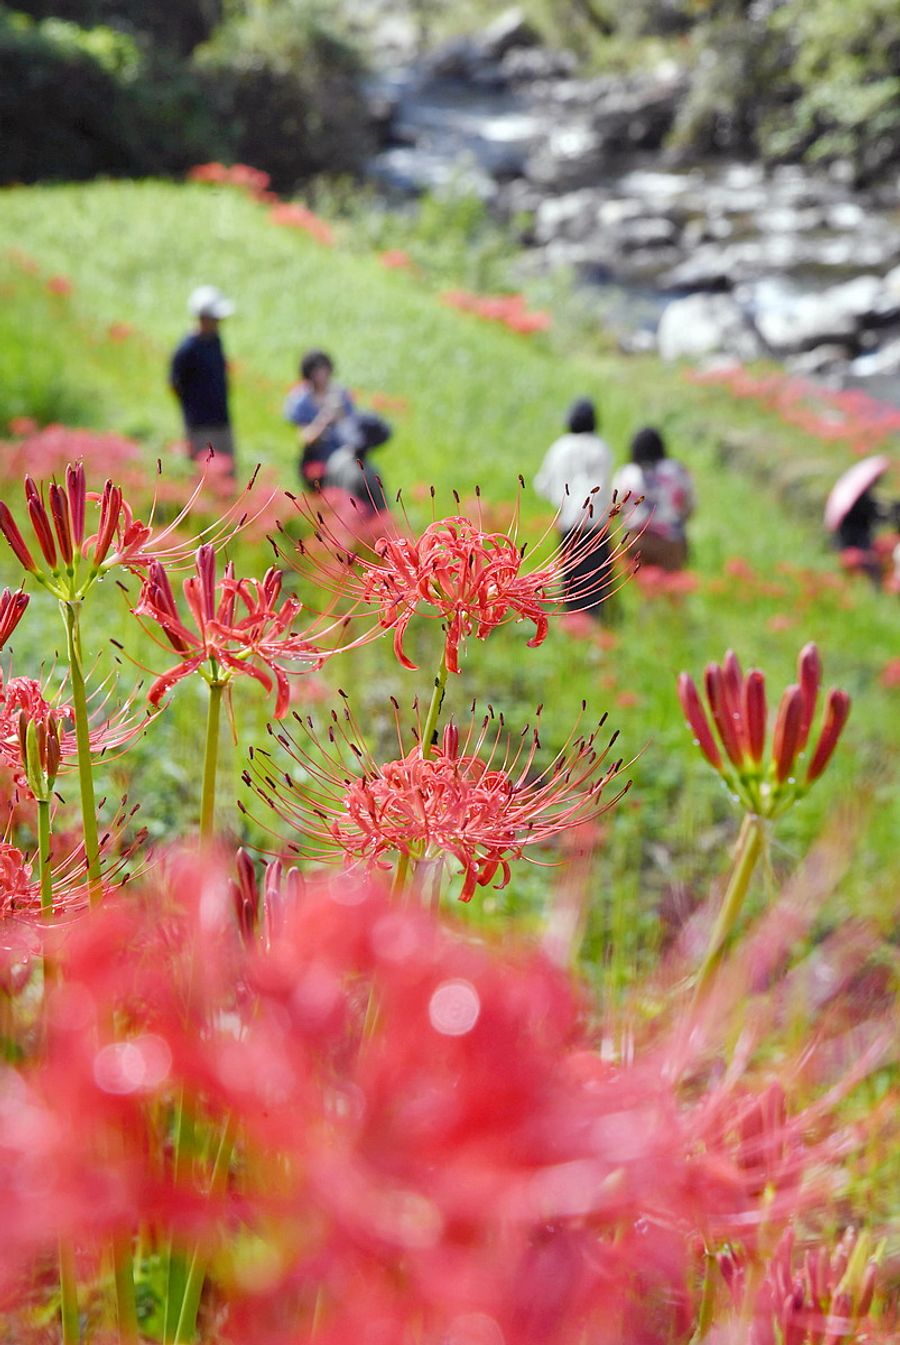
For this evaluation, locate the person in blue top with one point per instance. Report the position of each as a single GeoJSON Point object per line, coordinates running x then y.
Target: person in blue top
{"type": "Point", "coordinates": [321, 411]}
{"type": "Point", "coordinates": [199, 378]}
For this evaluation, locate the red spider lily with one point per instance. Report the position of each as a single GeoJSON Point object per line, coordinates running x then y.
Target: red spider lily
{"type": "Point", "coordinates": [119, 331]}
{"type": "Point", "coordinates": [72, 562]}
{"type": "Point", "coordinates": [508, 309]}
{"type": "Point", "coordinates": [22, 425]}
{"type": "Point", "coordinates": [260, 908]}
{"type": "Point", "coordinates": [850, 415]}
{"type": "Point", "coordinates": [60, 285]}
{"type": "Point", "coordinates": [654, 582]}
{"type": "Point", "coordinates": [471, 580]}
{"type": "Point", "coordinates": [238, 625]}
{"type": "Point", "coordinates": [738, 710]}
{"type": "Point", "coordinates": [482, 810]}
{"type": "Point", "coordinates": [292, 215]}
{"type": "Point", "coordinates": [253, 181]}
{"type": "Point", "coordinates": [22, 701]}
{"type": "Point", "coordinates": [889, 677]}
{"type": "Point", "coordinates": [12, 609]}
{"type": "Point", "coordinates": [395, 259]}
{"type": "Point", "coordinates": [46, 453]}
{"type": "Point", "coordinates": [825, 1296]}
{"type": "Point", "coordinates": [20, 891]}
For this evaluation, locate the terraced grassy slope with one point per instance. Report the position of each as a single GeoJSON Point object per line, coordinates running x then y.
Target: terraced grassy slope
{"type": "Point", "coordinates": [472, 405]}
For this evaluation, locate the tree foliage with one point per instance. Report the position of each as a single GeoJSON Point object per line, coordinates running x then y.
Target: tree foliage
{"type": "Point", "coordinates": [158, 87]}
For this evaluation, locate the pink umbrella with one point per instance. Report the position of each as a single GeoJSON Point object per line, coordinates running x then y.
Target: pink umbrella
{"type": "Point", "coordinates": [848, 488]}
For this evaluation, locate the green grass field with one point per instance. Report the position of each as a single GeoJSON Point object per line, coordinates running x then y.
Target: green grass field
{"type": "Point", "coordinates": [479, 406]}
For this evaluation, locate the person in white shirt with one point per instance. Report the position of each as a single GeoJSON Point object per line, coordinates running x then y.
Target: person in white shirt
{"type": "Point", "coordinates": [576, 478]}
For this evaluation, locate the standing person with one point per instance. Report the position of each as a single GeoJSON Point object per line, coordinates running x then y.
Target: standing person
{"type": "Point", "coordinates": [575, 478]}
{"type": "Point", "coordinates": [663, 501]}
{"type": "Point", "coordinates": [199, 379]}
{"type": "Point", "coordinates": [317, 405]}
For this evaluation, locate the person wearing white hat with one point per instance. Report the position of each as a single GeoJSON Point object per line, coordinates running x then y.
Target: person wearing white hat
{"type": "Point", "coordinates": [199, 378]}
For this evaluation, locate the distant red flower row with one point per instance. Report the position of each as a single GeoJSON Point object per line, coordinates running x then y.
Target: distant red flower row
{"type": "Point", "coordinates": [253, 181]}
{"type": "Point", "coordinates": [849, 416]}
{"type": "Point", "coordinates": [510, 310]}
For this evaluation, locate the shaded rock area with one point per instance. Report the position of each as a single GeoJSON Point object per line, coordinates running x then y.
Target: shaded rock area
{"type": "Point", "coordinates": [728, 258]}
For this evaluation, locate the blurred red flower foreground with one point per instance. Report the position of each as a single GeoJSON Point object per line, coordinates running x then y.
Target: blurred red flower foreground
{"type": "Point", "coordinates": [432, 1148]}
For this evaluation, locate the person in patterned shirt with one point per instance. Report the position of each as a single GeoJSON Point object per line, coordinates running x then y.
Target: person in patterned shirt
{"type": "Point", "coordinates": [661, 502]}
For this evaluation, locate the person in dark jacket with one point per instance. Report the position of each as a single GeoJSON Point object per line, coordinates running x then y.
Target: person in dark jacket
{"type": "Point", "coordinates": [199, 378]}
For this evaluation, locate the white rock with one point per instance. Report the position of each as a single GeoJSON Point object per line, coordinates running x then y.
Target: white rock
{"type": "Point", "coordinates": [704, 324]}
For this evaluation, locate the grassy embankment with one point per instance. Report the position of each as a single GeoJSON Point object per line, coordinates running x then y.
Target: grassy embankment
{"type": "Point", "coordinates": [479, 406]}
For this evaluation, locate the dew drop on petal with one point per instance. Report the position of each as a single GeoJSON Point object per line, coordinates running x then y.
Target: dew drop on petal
{"type": "Point", "coordinates": [454, 1008]}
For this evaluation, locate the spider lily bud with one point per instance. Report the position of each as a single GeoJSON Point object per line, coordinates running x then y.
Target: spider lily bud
{"type": "Point", "coordinates": [723, 714]}
{"type": "Point", "coordinates": [40, 522]}
{"type": "Point", "coordinates": [40, 751]}
{"type": "Point", "coordinates": [837, 711]}
{"type": "Point", "coordinates": [206, 571]}
{"type": "Point", "coordinates": [754, 711]}
{"type": "Point", "coordinates": [12, 609]}
{"type": "Point", "coordinates": [737, 705]}
{"type": "Point", "coordinates": [15, 539]}
{"type": "Point", "coordinates": [788, 729]}
{"type": "Point", "coordinates": [809, 675]}
{"type": "Point", "coordinates": [77, 492]}
{"type": "Point", "coordinates": [59, 509]}
{"type": "Point", "coordinates": [110, 506]}
{"type": "Point", "coordinates": [245, 894]}
{"type": "Point", "coordinates": [696, 718]}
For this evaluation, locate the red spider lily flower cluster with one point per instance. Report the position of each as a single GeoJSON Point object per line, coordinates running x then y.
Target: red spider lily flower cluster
{"type": "Point", "coordinates": [510, 310]}
{"type": "Point", "coordinates": [482, 810]}
{"type": "Point", "coordinates": [71, 561]}
{"type": "Point", "coordinates": [46, 453]}
{"type": "Point", "coordinates": [395, 259]}
{"type": "Point", "coordinates": [738, 709]}
{"type": "Point", "coordinates": [471, 580]}
{"type": "Point", "coordinates": [241, 627]}
{"type": "Point", "coordinates": [22, 703]}
{"type": "Point", "coordinates": [60, 286]}
{"type": "Point", "coordinates": [24, 709]}
{"type": "Point", "coordinates": [463, 1165]}
{"type": "Point", "coordinates": [253, 181]}
{"type": "Point", "coordinates": [849, 415]}
{"type": "Point", "coordinates": [655, 582]}
{"type": "Point", "coordinates": [292, 215]}
{"type": "Point", "coordinates": [827, 1295]}
{"type": "Point", "coordinates": [59, 526]}
{"type": "Point", "coordinates": [21, 905]}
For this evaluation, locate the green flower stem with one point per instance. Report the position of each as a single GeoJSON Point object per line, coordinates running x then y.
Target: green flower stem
{"type": "Point", "coordinates": [211, 758]}
{"type": "Point", "coordinates": [71, 613]}
{"type": "Point", "coordinates": [749, 849]}
{"type": "Point", "coordinates": [187, 1319]}
{"type": "Point", "coordinates": [178, 1273]}
{"type": "Point", "coordinates": [708, 1299]}
{"type": "Point", "coordinates": [71, 1329]}
{"type": "Point", "coordinates": [434, 709]}
{"type": "Point", "coordinates": [126, 1305]}
{"type": "Point", "coordinates": [46, 878]}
